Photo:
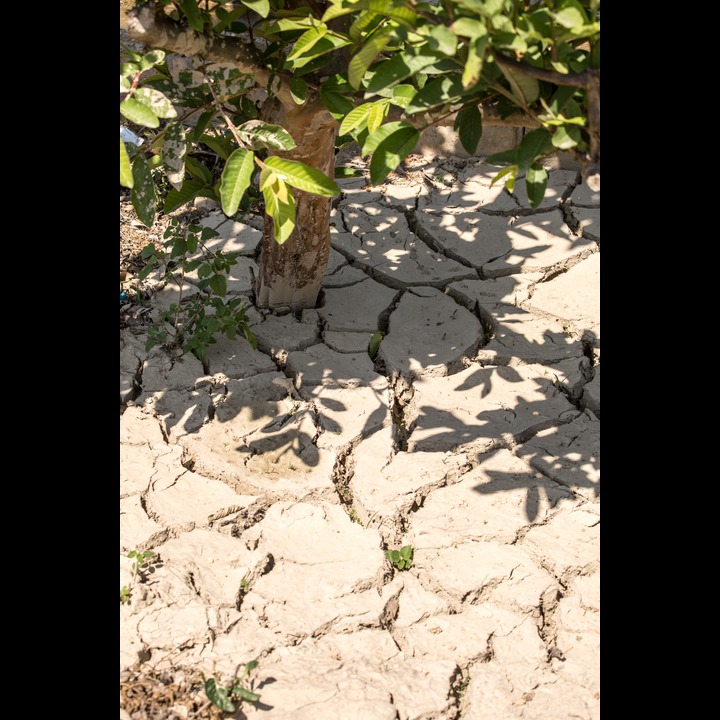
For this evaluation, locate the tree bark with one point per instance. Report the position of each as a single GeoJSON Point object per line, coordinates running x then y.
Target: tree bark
{"type": "Point", "coordinates": [291, 274]}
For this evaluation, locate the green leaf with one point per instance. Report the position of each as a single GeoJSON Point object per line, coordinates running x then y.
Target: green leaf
{"type": "Point", "coordinates": [535, 183]}
{"type": "Point", "coordinates": [391, 152]}
{"type": "Point", "coordinates": [143, 191]}
{"type": "Point", "coordinates": [156, 101]}
{"type": "Point", "coordinates": [571, 15]}
{"type": "Point", "coordinates": [362, 60]}
{"type": "Point", "coordinates": [197, 170]}
{"type": "Point", "coordinates": [245, 694]}
{"type": "Point", "coordinates": [343, 171]}
{"type": "Point", "coordinates": [510, 41]}
{"type": "Point", "coordinates": [326, 44]}
{"type": "Point", "coordinates": [406, 551]}
{"type": "Point", "coordinates": [509, 172]}
{"type": "Point", "coordinates": [173, 154]}
{"type": "Point", "coordinates": [382, 7]}
{"type": "Point", "coordinates": [306, 41]}
{"type": "Point", "coordinates": [298, 90]}
{"type": "Point", "coordinates": [221, 147]}
{"type": "Point", "coordinates": [282, 213]}
{"type": "Point", "coordinates": [383, 132]}
{"type": "Point", "coordinates": [355, 118]}
{"type": "Point", "coordinates": [218, 696]}
{"type": "Point", "coordinates": [468, 27]}
{"type": "Point", "coordinates": [128, 69]}
{"type": "Point", "coordinates": [374, 344]}
{"type": "Point", "coordinates": [468, 123]}
{"type": "Point", "coordinates": [192, 13]}
{"type": "Point", "coordinates": [126, 175]}
{"type": "Point", "coordinates": [363, 22]}
{"type": "Point", "coordinates": [443, 90]}
{"type": "Point", "coordinates": [402, 95]}
{"type": "Point", "coordinates": [535, 144]}
{"type": "Point", "coordinates": [261, 7]}
{"type": "Point", "coordinates": [566, 138]}
{"type": "Point", "coordinates": [202, 123]}
{"type": "Point", "coordinates": [235, 179]}
{"type": "Point", "coordinates": [152, 58]}
{"type": "Point", "coordinates": [338, 105]}
{"type": "Point", "coordinates": [228, 81]}
{"type": "Point", "coordinates": [139, 113]}
{"type": "Point", "coordinates": [177, 198]}
{"type": "Point", "coordinates": [259, 135]}
{"type": "Point", "coordinates": [218, 284]}
{"type": "Point", "coordinates": [526, 89]}
{"type": "Point", "coordinates": [443, 40]}
{"type": "Point", "coordinates": [302, 176]}
{"type": "Point", "coordinates": [376, 116]}
{"type": "Point", "coordinates": [399, 67]}
{"type": "Point", "coordinates": [124, 84]}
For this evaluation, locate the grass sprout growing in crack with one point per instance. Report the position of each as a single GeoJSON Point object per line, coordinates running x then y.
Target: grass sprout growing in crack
{"type": "Point", "coordinates": [226, 697]}
{"type": "Point", "coordinates": [402, 559]}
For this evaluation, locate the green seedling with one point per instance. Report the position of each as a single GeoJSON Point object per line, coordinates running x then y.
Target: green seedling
{"type": "Point", "coordinates": [226, 697]}
{"type": "Point", "coordinates": [194, 323]}
{"type": "Point", "coordinates": [374, 344]}
{"type": "Point", "coordinates": [140, 568]}
{"type": "Point", "coordinates": [402, 559]}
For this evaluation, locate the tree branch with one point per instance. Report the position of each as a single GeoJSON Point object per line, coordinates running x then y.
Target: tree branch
{"type": "Point", "coordinates": [589, 80]}
{"type": "Point", "coordinates": [582, 79]}
{"type": "Point", "coordinates": [149, 25]}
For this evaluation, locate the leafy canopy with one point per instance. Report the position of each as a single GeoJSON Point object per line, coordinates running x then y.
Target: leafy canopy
{"type": "Point", "coordinates": [384, 69]}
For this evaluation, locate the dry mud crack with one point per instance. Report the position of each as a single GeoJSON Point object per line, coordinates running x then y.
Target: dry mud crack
{"type": "Point", "coordinates": [270, 482]}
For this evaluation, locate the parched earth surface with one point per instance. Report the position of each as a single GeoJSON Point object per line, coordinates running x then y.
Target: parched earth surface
{"type": "Point", "coordinates": [269, 483]}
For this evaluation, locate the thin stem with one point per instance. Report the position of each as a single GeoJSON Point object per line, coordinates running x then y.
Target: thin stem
{"type": "Point", "coordinates": [226, 117]}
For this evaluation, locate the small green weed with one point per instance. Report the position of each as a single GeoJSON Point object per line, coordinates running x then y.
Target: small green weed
{"type": "Point", "coordinates": [225, 697]}
{"type": "Point", "coordinates": [192, 325]}
{"type": "Point", "coordinates": [140, 569]}
{"type": "Point", "coordinates": [374, 344]}
{"type": "Point", "coordinates": [402, 559]}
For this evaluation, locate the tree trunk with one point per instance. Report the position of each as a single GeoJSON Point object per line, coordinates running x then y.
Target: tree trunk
{"type": "Point", "coordinates": [291, 274]}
